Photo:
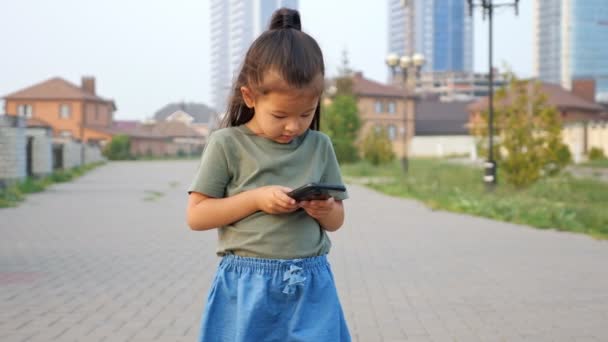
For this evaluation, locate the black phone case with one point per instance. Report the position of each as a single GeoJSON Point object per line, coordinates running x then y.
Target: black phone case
{"type": "Point", "coordinates": [316, 191]}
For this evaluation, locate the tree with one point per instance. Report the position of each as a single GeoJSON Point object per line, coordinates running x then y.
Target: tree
{"type": "Point", "coordinates": [344, 81]}
{"type": "Point", "coordinates": [528, 132]}
{"type": "Point", "coordinates": [377, 147]}
{"type": "Point", "coordinates": [118, 148]}
{"type": "Point", "coordinates": [340, 119]}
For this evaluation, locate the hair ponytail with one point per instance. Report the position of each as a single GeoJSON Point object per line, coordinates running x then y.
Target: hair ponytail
{"type": "Point", "coordinates": [285, 18]}
{"type": "Point", "coordinates": [286, 50]}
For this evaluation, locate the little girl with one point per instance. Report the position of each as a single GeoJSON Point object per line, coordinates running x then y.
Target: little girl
{"type": "Point", "coordinates": [274, 282]}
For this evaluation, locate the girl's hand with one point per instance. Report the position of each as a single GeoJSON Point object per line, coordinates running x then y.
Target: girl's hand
{"type": "Point", "coordinates": [319, 209]}
{"type": "Point", "coordinates": [273, 199]}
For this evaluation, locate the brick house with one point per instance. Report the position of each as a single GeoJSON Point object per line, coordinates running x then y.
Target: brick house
{"type": "Point", "coordinates": [197, 115]}
{"type": "Point", "coordinates": [164, 139]}
{"type": "Point", "coordinates": [441, 129]}
{"type": "Point", "coordinates": [381, 105]}
{"type": "Point", "coordinates": [71, 110]}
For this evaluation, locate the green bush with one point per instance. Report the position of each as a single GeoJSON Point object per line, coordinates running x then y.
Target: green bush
{"type": "Point", "coordinates": [31, 185]}
{"type": "Point", "coordinates": [118, 148]}
{"type": "Point", "coordinates": [10, 195]}
{"type": "Point", "coordinates": [561, 158]}
{"type": "Point", "coordinates": [377, 148]}
{"type": "Point", "coordinates": [340, 122]}
{"type": "Point", "coordinates": [596, 153]}
{"type": "Point", "coordinates": [528, 130]}
{"type": "Point", "coordinates": [60, 176]}
{"type": "Point", "coordinates": [345, 151]}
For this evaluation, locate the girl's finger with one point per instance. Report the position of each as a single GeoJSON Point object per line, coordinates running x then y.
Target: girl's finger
{"type": "Point", "coordinates": [285, 206]}
{"type": "Point", "coordinates": [281, 196]}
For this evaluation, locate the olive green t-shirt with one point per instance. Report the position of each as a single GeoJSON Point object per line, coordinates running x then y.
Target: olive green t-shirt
{"type": "Point", "coordinates": [236, 160]}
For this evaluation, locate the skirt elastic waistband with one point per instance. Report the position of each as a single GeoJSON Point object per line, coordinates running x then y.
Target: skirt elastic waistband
{"type": "Point", "coordinates": [272, 265]}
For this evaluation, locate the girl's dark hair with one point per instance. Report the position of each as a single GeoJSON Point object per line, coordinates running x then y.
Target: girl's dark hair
{"type": "Point", "coordinates": [286, 50]}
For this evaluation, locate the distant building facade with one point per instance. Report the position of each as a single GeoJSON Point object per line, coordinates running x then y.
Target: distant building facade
{"type": "Point", "coordinates": [441, 130]}
{"type": "Point", "coordinates": [382, 106]}
{"type": "Point", "coordinates": [71, 110]}
{"type": "Point", "coordinates": [569, 42]}
{"type": "Point", "coordinates": [458, 86]}
{"type": "Point", "coordinates": [198, 116]}
{"type": "Point", "coordinates": [442, 32]}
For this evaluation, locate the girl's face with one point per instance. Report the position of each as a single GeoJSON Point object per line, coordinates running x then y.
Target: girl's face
{"type": "Point", "coordinates": [281, 115]}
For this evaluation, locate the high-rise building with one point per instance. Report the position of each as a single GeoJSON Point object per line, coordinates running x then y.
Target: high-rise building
{"type": "Point", "coordinates": [234, 26]}
{"type": "Point", "coordinates": [441, 30]}
{"type": "Point", "coordinates": [570, 42]}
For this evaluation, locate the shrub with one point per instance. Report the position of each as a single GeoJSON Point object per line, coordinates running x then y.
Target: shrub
{"type": "Point", "coordinates": [377, 147]}
{"type": "Point", "coordinates": [596, 153]}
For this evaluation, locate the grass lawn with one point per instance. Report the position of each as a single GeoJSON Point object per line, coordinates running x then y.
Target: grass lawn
{"type": "Point", "coordinates": [561, 202]}
{"type": "Point", "coordinates": [600, 163]}
{"type": "Point", "coordinates": [15, 193]}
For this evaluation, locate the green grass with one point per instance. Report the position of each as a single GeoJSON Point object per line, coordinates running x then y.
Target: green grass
{"type": "Point", "coordinates": [152, 195]}
{"type": "Point", "coordinates": [600, 163]}
{"type": "Point", "coordinates": [561, 202]}
{"type": "Point", "coordinates": [15, 193]}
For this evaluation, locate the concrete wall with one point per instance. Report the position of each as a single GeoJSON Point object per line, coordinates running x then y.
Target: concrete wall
{"type": "Point", "coordinates": [598, 136]}
{"type": "Point", "coordinates": [573, 135]}
{"type": "Point", "coordinates": [71, 152]}
{"type": "Point", "coordinates": [92, 154]}
{"type": "Point", "coordinates": [12, 149]}
{"type": "Point", "coordinates": [42, 150]}
{"type": "Point", "coordinates": [441, 146]}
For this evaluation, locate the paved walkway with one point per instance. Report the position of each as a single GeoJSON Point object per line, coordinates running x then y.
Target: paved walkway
{"type": "Point", "coordinates": [110, 258]}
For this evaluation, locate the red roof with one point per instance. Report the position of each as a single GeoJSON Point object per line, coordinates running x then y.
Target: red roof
{"type": "Point", "coordinates": [557, 96]}
{"type": "Point", "coordinates": [163, 129]}
{"type": "Point", "coordinates": [366, 87]}
{"type": "Point", "coordinates": [55, 89]}
{"type": "Point", "coordinates": [125, 125]}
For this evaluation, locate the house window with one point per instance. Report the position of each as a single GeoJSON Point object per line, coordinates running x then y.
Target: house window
{"type": "Point", "coordinates": [391, 107]}
{"type": "Point", "coordinates": [378, 107]}
{"type": "Point", "coordinates": [24, 110]}
{"type": "Point", "coordinates": [64, 111]}
{"type": "Point", "coordinates": [392, 132]}
{"type": "Point", "coordinates": [66, 133]}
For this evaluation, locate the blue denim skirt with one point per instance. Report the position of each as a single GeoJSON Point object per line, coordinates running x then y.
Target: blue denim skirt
{"type": "Point", "coordinates": [253, 299]}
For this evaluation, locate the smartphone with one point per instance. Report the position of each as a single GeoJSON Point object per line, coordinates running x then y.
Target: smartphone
{"type": "Point", "coordinates": [316, 191]}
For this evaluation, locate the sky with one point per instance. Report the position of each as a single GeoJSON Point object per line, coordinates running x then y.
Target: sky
{"type": "Point", "coordinates": [147, 53]}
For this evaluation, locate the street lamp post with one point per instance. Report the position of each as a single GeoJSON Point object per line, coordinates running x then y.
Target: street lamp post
{"type": "Point", "coordinates": [410, 70]}
{"type": "Point", "coordinates": [488, 7]}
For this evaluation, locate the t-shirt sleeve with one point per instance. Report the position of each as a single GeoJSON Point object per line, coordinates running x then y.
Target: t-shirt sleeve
{"type": "Point", "coordinates": [213, 174]}
{"type": "Point", "coordinates": [332, 175]}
